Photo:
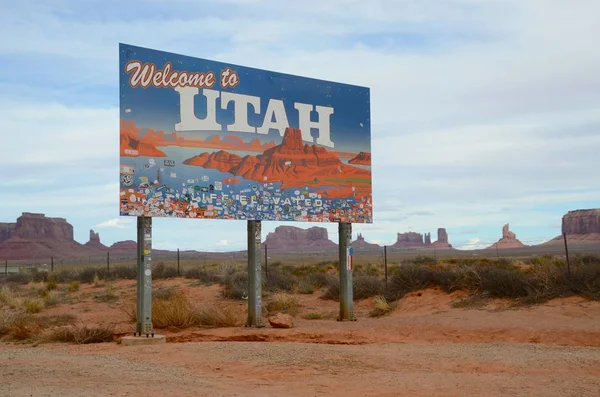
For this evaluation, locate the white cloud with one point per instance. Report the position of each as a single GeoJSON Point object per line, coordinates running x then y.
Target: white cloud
{"type": "Point", "coordinates": [118, 223]}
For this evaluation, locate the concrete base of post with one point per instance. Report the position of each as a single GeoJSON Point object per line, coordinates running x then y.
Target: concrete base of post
{"type": "Point", "coordinates": [142, 340]}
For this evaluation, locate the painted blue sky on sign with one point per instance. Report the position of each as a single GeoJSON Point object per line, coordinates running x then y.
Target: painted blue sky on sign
{"type": "Point", "coordinates": [158, 108]}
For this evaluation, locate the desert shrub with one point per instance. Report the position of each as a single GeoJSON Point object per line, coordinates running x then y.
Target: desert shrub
{"type": "Point", "coordinates": [51, 298]}
{"type": "Point", "coordinates": [109, 294]}
{"type": "Point", "coordinates": [305, 286]}
{"type": "Point", "coordinates": [283, 303]}
{"type": "Point", "coordinates": [366, 286]}
{"type": "Point", "coordinates": [173, 310]}
{"type": "Point", "coordinates": [65, 276]}
{"type": "Point", "coordinates": [205, 276]}
{"type": "Point", "coordinates": [124, 272]}
{"type": "Point", "coordinates": [8, 317]}
{"type": "Point", "coordinates": [381, 307]}
{"type": "Point", "coordinates": [216, 317]}
{"type": "Point", "coordinates": [9, 298]}
{"type": "Point", "coordinates": [369, 269]}
{"type": "Point", "coordinates": [96, 280]}
{"type": "Point", "coordinates": [585, 260]}
{"type": "Point", "coordinates": [408, 278]}
{"type": "Point", "coordinates": [38, 275]}
{"type": "Point", "coordinates": [362, 287]}
{"type": "Point", "coordinates": [20, 278]}
{"type": "Point", "coordinates": [90, 275]}
{"type": "Point", "coordinates": [235, 285]}
{"type": "Point", "coordinates": [279, 280]}
{"type": "Point", "coordinates": [33, 305]}
{"type": "Point", "coordinates": [162, 271]}
{"type": "Point", "coordinates": [424, 260]}
{"type": "Point", "coordinates": [77, 334]}
{"type": "Point", "coordinates": [51, 285]}
{"type": "Point", "coordinates": [73, 286]}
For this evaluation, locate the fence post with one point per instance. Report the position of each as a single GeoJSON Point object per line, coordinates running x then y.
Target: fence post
{"type": "Point", "coordinates": [51, 264]}
{"type": "Point", "coordinates": [6, 267]}
{"type": "Point", "coordinates": [497, 254]}
{"type": "Point", "coordinates": [178, 272]}
{"type": "Point", "coordinates": [385, 265]}
{"type": "Point", "coordinates": [567, 252]}
{"type": "Point", "coordinates": [107, 263]}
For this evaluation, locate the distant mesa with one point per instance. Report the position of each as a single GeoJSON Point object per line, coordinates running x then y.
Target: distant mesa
{"type": "Point", "coordinates": [294, 238]}
{"type": "Point", "coordinates": [408, 240]}
{"type": "Point", "coordinates": [418, 240]}
{"type": "Point", "coordinates": [132, 146]}
{"type": "Point", "coordinates": [362, 244]}
{"type": "Point", "coordinates": [508, 240]}
{"type": "Point", "coordinates": [581, 227]}
{"type": "Point", "coordinates": [442, 239]}
{"type": "Point", "coordinates": [124, 246]}
{"type": "Point", "coordinates": [35, 235]}
{"type": "Point", "coordinates": [363, 158]}
{"type": "Point", "coordinates": [292, 163]}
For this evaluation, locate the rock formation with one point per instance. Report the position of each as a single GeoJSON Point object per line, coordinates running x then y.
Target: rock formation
{"type": "Point", "coordinates": [292, 163]}
{"type": "Point", "coordinates": [94, 242]}
{"type": "Point", "coordinates": [38, 236]}
{"type": "Point", "coordinates": [409, 240]}
{"type": "Point", "coordinates": [581, 227]}
{"type": "Point", "coordinates": [295, 238]}
{"type": "Point", "coordinates": [132, 146]}
{"type": "Point", "coordinates": [363, 158]}
{"type": "Point", "coordinates": [442, 239]}
{"type": "Point", "coordinates": [508, 240]}
{"type": "Point", "coordinates": [427, 240]}
{"type": "Point", "coordinates": [581, 222]}
{"type": "Point", "coordinates": [6, 230]}
{"type": "Point", "coordinates": [360, 243]}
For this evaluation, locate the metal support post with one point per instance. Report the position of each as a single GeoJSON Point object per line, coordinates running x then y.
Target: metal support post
{"type": "Point", "coordinates": [345, 269]}
{"type": "Point", "coordinates": [144, 277]}
{"type": "Point", "coordinates": [254, 276]}
{"type": "Point", "coordinates": [178, 271]}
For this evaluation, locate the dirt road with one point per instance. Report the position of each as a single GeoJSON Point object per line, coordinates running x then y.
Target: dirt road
{"type": "Point", "coordinates": [300, 369]}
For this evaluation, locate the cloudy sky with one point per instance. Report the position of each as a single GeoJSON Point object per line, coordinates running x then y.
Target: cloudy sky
{"type": "Point", "coordinates": [483, 112]}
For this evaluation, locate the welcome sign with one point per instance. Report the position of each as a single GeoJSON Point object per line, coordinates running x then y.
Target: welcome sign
{"type": "Point", "coordinates": [205, 139]}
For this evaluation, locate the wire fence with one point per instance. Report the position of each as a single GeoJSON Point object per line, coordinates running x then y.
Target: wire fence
{"type": "Point", "coordinates": [387, 255]}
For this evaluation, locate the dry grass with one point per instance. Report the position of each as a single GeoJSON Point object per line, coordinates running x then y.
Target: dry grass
{"type": "Point", "coordinates": [74, 286]}
{"type": "Point", "coordinates": [216, 317]}
{"type": "Point", "coordinates": [314, 316]}
{"type": "Point", "coordinates": [283, 303]}
{"type": "Point", "coordinates": [77, 334]}
{"type": "Point", "coordinates": [33, 305]}
{"type": "Point", "coordinates": [172, 309]}
{"type": "Point", "coordinates": [381, 307]}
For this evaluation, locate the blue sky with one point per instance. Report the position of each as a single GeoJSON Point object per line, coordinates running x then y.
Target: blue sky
{"type": "Point", "coordinates": [482, 112]}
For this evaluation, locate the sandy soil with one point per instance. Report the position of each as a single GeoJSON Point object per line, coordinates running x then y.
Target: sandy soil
{"type": "Point", "coordinates": [424, 348]}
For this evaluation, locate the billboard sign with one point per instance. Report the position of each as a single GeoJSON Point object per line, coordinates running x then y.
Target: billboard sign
{"type": "Point", "coordinates": [212, 140]}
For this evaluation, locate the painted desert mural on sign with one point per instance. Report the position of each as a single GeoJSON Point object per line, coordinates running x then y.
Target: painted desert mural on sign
{"type": "Point", "coordinates": [203, 139]}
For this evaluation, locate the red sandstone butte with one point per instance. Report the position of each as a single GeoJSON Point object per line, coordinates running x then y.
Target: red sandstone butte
{"type": "Point", "coordinates": [132, 146]}
{"type": "Point", "coordinates": [221, 160]}
{"type": "Point", "coordinates": [363, 158]}
{"type": "Point", "coordinates": [294, 164]}
{"type": "Point", "coordinates": [508, 240]}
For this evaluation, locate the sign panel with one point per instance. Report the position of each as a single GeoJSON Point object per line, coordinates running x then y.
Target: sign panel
{"type": "Point", "coordinates": [205, 139]}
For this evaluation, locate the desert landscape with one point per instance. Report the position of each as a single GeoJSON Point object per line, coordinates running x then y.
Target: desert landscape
{"type": "Point", "coordinates": [462, 327]}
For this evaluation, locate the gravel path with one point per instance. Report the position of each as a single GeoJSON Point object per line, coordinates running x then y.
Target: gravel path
{"type": "Point", "coordinates": [298, 369]}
